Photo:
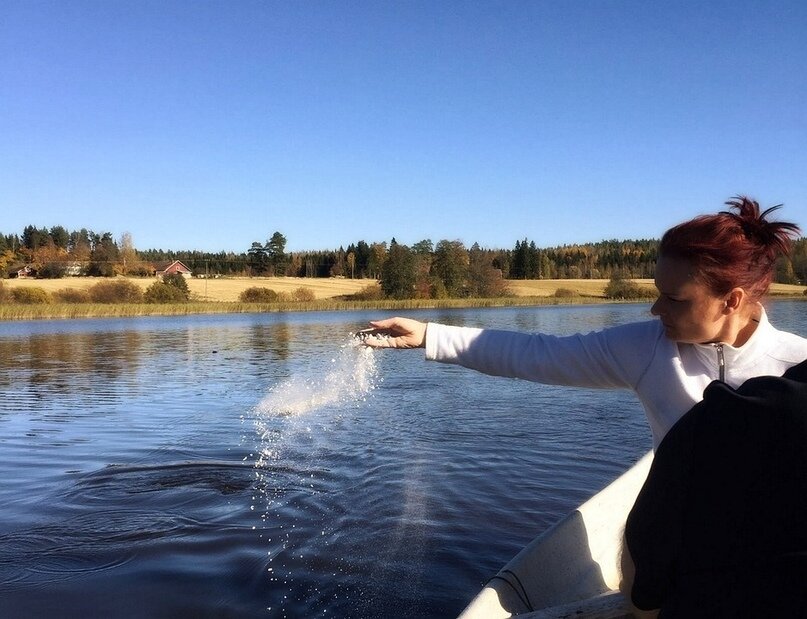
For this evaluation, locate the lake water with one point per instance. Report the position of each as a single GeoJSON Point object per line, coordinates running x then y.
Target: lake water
{"type": "Point", "coordinates": [260, 465]}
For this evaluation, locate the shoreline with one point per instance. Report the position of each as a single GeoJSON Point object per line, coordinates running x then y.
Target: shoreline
{"type": "Point", "coordinates": [69, 311]}
{"type": "Point", "coordinates": [221, 296]}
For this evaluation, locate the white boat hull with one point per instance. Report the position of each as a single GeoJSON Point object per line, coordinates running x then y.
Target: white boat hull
{"type": "Point", "coordinates": [573, 568]}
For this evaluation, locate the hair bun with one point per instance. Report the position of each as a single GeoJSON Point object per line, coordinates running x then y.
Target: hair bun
{"type": "Point", "coordinates": [758, 229]}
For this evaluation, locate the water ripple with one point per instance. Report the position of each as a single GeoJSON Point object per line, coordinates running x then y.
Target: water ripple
{"type": "Point", "coordinates": [224, 478]}
{"type": "Point", "coordinates": [87, 543]}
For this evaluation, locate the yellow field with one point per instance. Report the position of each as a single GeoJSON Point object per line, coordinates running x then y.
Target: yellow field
{"type": "Point", "coordinates": [596, 287]}
{"type": "Point", "coordinates": [547, 287]}
{"type": "Point", "coordinates": [223, 289]}
{"type": "Point", "coordinates": [228, 289]}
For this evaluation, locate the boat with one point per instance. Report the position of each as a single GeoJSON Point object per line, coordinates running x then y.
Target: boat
{"type": "Point", "coordinates": [573, 568]}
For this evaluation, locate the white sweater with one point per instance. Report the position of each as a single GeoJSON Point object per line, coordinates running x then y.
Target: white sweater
{"type": "Point", "coordinates": [669, 378]}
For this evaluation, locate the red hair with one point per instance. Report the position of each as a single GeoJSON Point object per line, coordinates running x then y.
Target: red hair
{"type": "Point", "coordinates": [732, 249]}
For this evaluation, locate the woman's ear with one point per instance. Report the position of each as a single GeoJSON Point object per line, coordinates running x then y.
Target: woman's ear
{"type": "Point", "coordinates": [734, 300]}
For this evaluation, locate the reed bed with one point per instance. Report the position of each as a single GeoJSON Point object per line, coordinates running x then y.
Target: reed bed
{"type": "Point", "coordinates": [527, 293]}
{"type": "Point", "coordinates": [55, 311]}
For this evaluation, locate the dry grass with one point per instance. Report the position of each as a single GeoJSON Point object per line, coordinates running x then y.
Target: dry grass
{"type": "Point", "coordinates": [223, 289]}
{"type": "Point", "coordinates": [596, 287]}
{"type": "Point", "coordinates": [53, 311]}
{"type": "Point", "coordinates": [221, 296]}
{"type": "Point", "coordinates": [547, 287]}
{"type": "Point", "coordinates": [228, 289]}
{"type": "Point", "coordinates": [787, 289]}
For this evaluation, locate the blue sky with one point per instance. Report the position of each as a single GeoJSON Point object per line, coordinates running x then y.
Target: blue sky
{"type": "Point", "coordinates": [208, 125]}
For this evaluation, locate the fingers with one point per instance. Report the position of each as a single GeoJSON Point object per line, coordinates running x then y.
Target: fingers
{"type": "Point", "coordinates": [374, 341]}
{"type": "Point", "coordinates": [373, 337]}
{"type": "Point", "coordinates": [388, 325]}
{"type": "Point", "coordinates": [363, 334]}
{"type": "Point", "coordinates": [394, 333]}
{"type": "Point", "coordinates": [369, 337]}
{"type": "Point", "coordinates": [380, 340]}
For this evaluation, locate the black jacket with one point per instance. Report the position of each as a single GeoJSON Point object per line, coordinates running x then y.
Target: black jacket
{"type": "Point", "coordinates": [720, 527]}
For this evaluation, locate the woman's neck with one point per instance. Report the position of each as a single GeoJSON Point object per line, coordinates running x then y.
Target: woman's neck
{"type": "Point", "coordinates": [746, 326]}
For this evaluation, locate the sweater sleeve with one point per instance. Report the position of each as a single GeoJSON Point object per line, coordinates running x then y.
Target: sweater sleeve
{"type": "Point", "coordinates": [611, 358]}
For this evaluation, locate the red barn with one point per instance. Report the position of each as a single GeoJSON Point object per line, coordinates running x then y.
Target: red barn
{"type": "Point", "coordinates": [169, 268]}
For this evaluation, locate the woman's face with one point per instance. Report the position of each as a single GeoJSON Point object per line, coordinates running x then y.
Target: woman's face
{"type": "Point", "coordinates": [688, 310]}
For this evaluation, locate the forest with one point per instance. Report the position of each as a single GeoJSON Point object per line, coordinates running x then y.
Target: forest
{"type": "Point", "coordinates": [423, 270]}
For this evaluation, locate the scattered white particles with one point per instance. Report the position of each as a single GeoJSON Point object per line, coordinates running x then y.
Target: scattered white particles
{"type": "Point", "coordinates": [351, 376]}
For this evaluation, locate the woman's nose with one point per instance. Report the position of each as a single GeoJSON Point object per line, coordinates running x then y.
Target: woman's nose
{"type": "Point", "coordinates": [655, 309]}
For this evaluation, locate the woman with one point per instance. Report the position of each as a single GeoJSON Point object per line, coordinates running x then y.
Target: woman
{"type": "Point", "coordinates": [711, 274]}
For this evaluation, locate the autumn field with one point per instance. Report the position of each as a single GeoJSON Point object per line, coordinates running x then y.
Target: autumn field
{"type": "Point", "coordinates": [549, 287]}
{"type": "Point", "coordinates": [596, 287]}
{"type": "Point", "coordinates": [222, 289]}
{"type": "Point", "coordinates": [229, 289]}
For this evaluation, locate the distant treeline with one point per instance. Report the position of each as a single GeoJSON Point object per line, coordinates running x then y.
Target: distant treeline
{"type": "Point", "coordinates": [447, 268]}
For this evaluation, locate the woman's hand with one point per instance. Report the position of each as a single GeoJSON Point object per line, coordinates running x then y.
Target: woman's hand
{"type": "Point", "coordinates": [395, 333]}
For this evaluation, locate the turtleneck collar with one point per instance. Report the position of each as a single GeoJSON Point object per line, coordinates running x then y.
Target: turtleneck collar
{"type": "Point", "coordinates": [735, 356]}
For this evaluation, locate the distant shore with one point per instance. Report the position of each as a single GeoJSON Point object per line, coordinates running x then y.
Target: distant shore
{"type": "Point", "coordinates": [220, 296]}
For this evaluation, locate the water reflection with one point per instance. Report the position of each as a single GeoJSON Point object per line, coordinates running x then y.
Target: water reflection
{"type": "Point", "coordinates": [272, 339]}
{"type": "Point", "coordinates": [69, 367]}
{"type": "Point", "coordinates": [559, 320]}
{"type": "Point", "coordinates": [105, 366]}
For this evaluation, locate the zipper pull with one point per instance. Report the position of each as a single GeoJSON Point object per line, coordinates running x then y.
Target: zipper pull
{"type": "Point", "coordinates": [721, 363]}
